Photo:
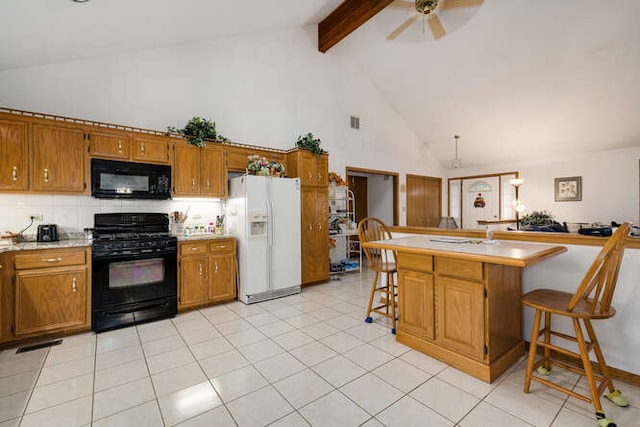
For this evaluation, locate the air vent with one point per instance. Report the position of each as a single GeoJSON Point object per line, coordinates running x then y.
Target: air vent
{"type": "Point", "coordinates": [355, 122]}
{"type": "Point", "coordinates": [38, 346]}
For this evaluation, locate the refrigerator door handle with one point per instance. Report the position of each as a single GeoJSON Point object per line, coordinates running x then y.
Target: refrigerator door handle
{"type": "Point", "coordinates": [270, 242]}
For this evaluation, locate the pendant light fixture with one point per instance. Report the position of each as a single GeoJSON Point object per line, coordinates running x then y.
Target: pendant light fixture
{"type": "Point", "coordinates": [456, 163]}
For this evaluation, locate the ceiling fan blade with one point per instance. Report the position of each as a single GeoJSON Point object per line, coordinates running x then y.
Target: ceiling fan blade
{"type": "Point", "coordinates": [401, 4]}
{"type": "Point", "coordinates": [436, 26]}
{"type": "Point", "coordinates": [450, 4]}
{"type": "Point", "coordinates": [406, 24]}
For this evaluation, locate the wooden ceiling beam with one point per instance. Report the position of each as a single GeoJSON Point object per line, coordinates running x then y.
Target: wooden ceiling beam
{"type": "Point", "coordinates": [345, 19]}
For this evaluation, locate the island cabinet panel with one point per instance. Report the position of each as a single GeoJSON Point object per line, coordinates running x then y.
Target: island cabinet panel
{"type": "Point", "coordinates": [57, 154]}
{"type": "Point", "coordinates": [14, 160]}
{"type": "Point", "coordinates": [416, 300]}
{"type": "Point", "coordinates": [461, 316]}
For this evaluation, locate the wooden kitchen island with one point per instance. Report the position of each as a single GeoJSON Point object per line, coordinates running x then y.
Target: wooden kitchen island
{"type": "Point", "coordinates": [459, 299]}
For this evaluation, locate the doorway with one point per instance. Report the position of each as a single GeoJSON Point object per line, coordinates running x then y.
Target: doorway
{"type": "Point", "coordinates": [378, 197]}
{"type": "Point", "coordinates": [424, 201]}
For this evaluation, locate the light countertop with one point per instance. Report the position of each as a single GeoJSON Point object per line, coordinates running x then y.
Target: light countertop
{"type": "Point", "coordinates": [519, 254]}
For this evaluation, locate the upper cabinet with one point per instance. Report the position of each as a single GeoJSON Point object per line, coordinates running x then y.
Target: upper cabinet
{"type": "Point", "coordinates": [14, 155]}
{"type": "Point", "coordinates": [150, 148]}
{"type": "Point", "coordinates": [110, 145]}
{"type": "Point", "coordinates": [237, 157]}
{"type": "Point", "coordinates": [199, 172]}
{"type": "Point", "coordinates": [312, 169]}
{"type": "Point", "coordinates": [57, 158]}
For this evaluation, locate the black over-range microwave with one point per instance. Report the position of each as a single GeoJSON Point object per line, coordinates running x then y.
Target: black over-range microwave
{"type": "Point", "coordinates": [127, 180]}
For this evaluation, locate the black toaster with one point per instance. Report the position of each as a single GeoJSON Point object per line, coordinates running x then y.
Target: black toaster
{"type": "Point", "coordinates": [47, 233]}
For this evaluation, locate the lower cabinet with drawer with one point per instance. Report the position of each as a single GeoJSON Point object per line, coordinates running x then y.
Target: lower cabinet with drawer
{"type": "Point", "coordinates": [465, 313]}
{"type": "Point", "coordinates": [52, 291]}
{"type": "Point", "coordinates": [207, 272]}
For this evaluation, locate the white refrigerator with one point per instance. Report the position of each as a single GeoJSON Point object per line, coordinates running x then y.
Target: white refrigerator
{"type": "Point", "coordinates": [263, 213]}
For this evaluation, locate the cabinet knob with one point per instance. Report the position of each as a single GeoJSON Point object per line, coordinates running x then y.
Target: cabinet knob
{"type": "Point", "coordinates": [142, 148]}
{"type": "Point", "coordinates": [46, 175]}
{"type": "Point", "coordinates": [216, 267]}
{"type": "Point", "coordinates": [52, 260]}
{"type": "Point", "coordinates": [310, 227]}
{"type": "Point", "coordinates": [193, 183]}
{"type": "Point", "coordinates": [119, 146]}
{"type": "Point", "coordinates": [208, 184]}
{"type": "Point", "coordinates": [14, 173]}
{"type": "Point", "coordinates": [74, 287]}
{"type": "Point", "coordinates": [200, 268]}
{"type": "Point", "coordinates": [194, 249]}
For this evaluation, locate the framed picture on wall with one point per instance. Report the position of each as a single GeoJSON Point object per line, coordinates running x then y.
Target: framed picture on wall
{"type": "Point", "coordinates": [568, 189]}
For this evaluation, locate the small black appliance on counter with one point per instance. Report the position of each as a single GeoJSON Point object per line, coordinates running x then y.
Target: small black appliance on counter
{"type": "Point", "coordinates": [47, 233]}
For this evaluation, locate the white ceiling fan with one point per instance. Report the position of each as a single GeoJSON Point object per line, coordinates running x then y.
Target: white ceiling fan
{"type": "Point", "coordinates": [431, 11]}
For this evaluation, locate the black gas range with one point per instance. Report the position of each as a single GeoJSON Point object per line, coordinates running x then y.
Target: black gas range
{"type": "Point", "coordinates": [134, 269]}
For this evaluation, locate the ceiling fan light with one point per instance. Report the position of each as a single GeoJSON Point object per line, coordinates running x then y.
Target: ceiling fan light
{"type": "Point", "coordinates": [426, 6]}
{"type": "Point", "coordinates": [456, 162]}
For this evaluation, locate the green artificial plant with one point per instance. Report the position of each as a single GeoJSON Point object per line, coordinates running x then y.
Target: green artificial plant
{"type": "Point", "coordinates": [310, 143]}
{"type": "Point", "coordinates": [197, 130]}
{"type": "Point", "coordinates": [540, 218]}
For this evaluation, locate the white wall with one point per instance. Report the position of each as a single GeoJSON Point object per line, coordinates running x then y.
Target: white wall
{"type": "Point", "coordinates": [610, 185]}
{"type": "Point", "coordinates": [263, 89]}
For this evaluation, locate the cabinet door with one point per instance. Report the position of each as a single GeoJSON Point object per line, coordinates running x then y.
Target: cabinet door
{"type": "Point", "coordinates": [186, 170]}
{"type": "Point", "coordinates": [222, 285]}
{"type": "Point", "coordinates": [213, 174]}
{"type": "Point", "coordinates": [237, 158]}
{"type": "Point", "coordinates": [308, 235]}
{"type": "Point", "coordinates": [6, 297]}
{"type": "Point", "coordinates": [307, 168]}
{"type": "Point", "coordinates": [193, 281]}
{"type": "Point", "coordinates": [461, 319]}
{"type": "Point", "coordinates": [321, 217]}
{"type": "Point", "coordinates": [416, 303]}
{"type": "Point", "coordinates": [13, 156]}
{"type": "Point", "coordinates": [50, 300]}
{"type": "Point", "coordinates": [322, 170]}
{"type": "Point", "coordinates": [57, 159]}
{"type": "Point", "coordinates": [110, 145]}
{"type": "Point", "coordinates": [150, 149]}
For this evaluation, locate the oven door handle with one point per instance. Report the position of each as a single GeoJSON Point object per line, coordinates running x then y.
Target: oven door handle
{"type": "Point", "coordinates": [162, 304]}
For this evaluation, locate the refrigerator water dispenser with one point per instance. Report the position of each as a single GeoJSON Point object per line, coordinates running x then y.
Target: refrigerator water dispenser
{"type": "Point", "coordinates": [258, 224]}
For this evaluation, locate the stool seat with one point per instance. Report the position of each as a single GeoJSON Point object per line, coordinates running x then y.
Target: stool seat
{"type": "Point", "coordinates": [556, 302]}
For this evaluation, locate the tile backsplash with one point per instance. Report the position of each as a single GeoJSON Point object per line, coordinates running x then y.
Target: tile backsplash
{"type": "Point", "coordinates": [74, 213]}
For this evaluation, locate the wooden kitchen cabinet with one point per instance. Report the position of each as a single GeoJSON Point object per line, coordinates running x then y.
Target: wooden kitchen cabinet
{"type": "Point", "coordinates": [312, 169]}
{"type": "Point", "coordinates": [314, 234]}
{"type": "Point", "coordinates": [207, 272]}
{"type": "Point", "coordinates": [147, 148]}
{"type": "Point", "coordinates": [199, 172]}
{"type": "Point", "coordinates": [6, 296]}
{"type": "Point", "coordinates": [14, 155]}
{"type": "Point", "coordinates": [237, 157]}
{"type": "Point", "coordinates": [465, 313]}
{"type": "Point", "coordinates": [109, 144]}
{"type": "Point", "coordinates": [52, 291]}
{"type": "Point", "coordinates": [57, 159]}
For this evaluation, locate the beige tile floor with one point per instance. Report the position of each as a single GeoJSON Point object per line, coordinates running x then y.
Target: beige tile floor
{"type": "Point", "coordinates": [307, 359]}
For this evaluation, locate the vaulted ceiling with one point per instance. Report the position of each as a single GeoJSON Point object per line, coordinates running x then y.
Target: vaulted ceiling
{"type": "Point", "coordinates": [520, 79]}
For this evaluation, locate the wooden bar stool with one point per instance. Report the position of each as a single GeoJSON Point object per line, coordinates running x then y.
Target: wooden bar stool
{"type": "Point", "coordinates": [382, 262]}
{"type": "Point", "coordinates": [592, 300]}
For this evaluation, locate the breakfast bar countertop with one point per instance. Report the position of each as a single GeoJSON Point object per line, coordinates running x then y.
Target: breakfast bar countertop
{"type": "Point", "coordinates": [517, 254]}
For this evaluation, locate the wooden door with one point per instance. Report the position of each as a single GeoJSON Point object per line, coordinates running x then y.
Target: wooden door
{"type": "Point", "coordinates": [57, 159]}
{"type": "Point", "coordinates": [213, 173]}
{"type": "Point", "coordinates": [424, 201]}
{"type": "Point", "coordinates": [461, 320]}
{"type": "Point", "coordinates": [186, 170]}
{"type": "Point", "coordinates": [193, 281]}
{"type": "Point", "coordinates": [222, 285]}
{"type": "Point", "coordinates": [358, 184]}
{"type": "Point", "coordinates": [48, 300]}
{"type": "Point", "coordinates": [109, 145]}
{"type": "Point", "coordinates": [416, 301]}
{"type": "Point", "coordinates": [14, 158]}
{"type": "Point", "coordinates": [150, 149]}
